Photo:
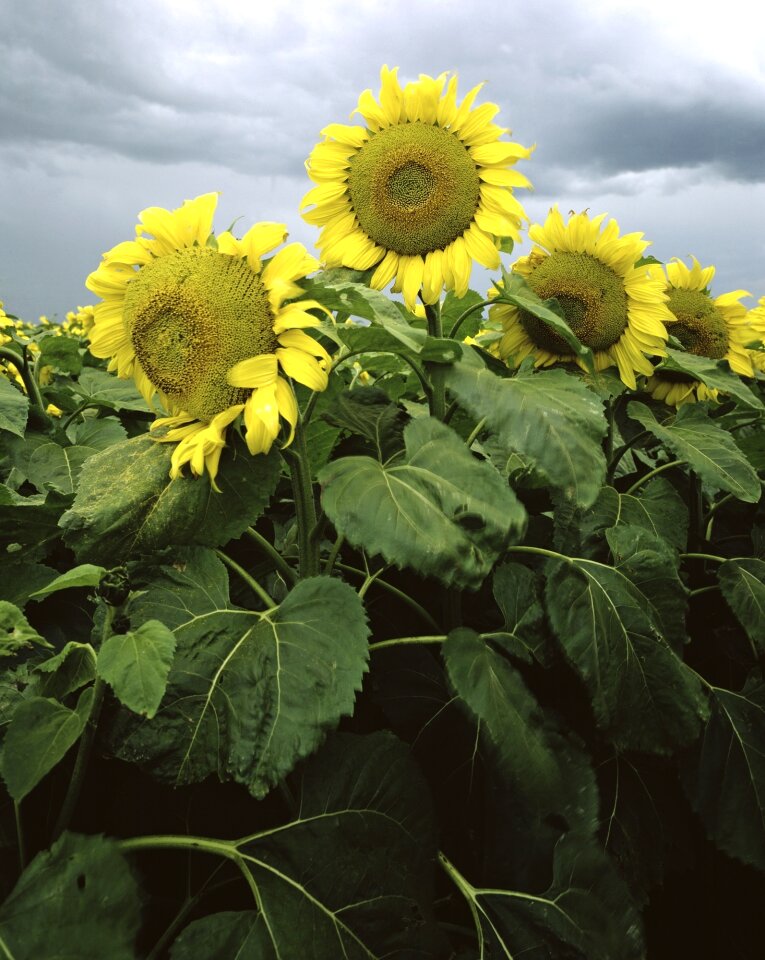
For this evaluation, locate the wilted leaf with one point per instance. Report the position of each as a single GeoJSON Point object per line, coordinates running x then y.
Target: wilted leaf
{"type": "Point", "coordinates": [436, 509]}
{"type": "Point", "coordinates": [548, 417]}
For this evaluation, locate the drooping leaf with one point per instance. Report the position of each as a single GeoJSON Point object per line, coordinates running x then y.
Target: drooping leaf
{"type": "Point", "coordinates": [742, 582]}
{"type": "Point", "coordinates": [365, 810]}
{"type": "Point", "coordinates": [549, 417]}
{"type": "Point", "coordinates": [14, 408]}
{"type": "Point", "coordinates": [136, 664]}
{"type": "Point", "coordinates": [68, 670]}
{"type": "Point", "coordinates": [85, 575]}
{"type": "Point", "coordinates": [367, 412]}
{"type": "Point", "coordinates": [335, 291]}
{"type": "Point", "coordinates": [251, 694]}
{"type": "Point", "coordinates": [716, 374]}
{"type": "Point", "coordinates": [516, 291]}
{"type": "Point", "coordinates": [436, 509]}
{"type": "Point", "coordinates": [643, 695]}
{"type": "Point", "coordinates": [77, 900]}
{"type": "Point", "coordinates": [127, 504]}
{"type": "Point", "coordinates": [517, 594]}
{"type": "Point", "coordinates": [724, 773]}
{"type": "Point", "coordinates": [585, 914]}
{"type": "Point", "coordinates": [38, 737]}
{"type": "Point", "coordinates": [526, 750]}
{"type": "Point", "coordinates": [52, 467]}
{"type": "Point", "coordinates": [652, 568]}
{"type": "Point", "coordinates": [709, 451]}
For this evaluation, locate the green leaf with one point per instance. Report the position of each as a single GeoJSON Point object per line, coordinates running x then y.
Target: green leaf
{"type": "Point", "coordinates": [231, 934]}
{"type": "Point", "coordinates": [527, 752]}
{"type": "Point", "coordinates": [742, 582]}
{"type": "Point", "coordinates": [70, 669]}
{"type": "Point", "coordinates": [350, 297]}
{"type": "Point", "coordinates": [38, 737]}
{"type": "Point", "coordinates": [23, 578]}
{"type": "Point", "coordinates": [724, 774]}
{"type": "Point", "coordinates": [127, 504]}
{"type": "Point", "coordinates": [586, 911]}
{"type": "Point", "coordinates": [31, 522]}
{"type": "Point", "coordinates": [61, 353]}
{"type": "Point", "coordinates": [77, 900]}
{"type": "Point", "coordinates": [652, 568]}
{"type": "Point", "coordinates": [251, 694]}
{"type": "Point", "coordinates": [518, 597]}
{"type": "Point", "coordinates": [709, 451]}
{"type": "Point", "coordinates": [548, 417]}
{"type": "Point", "coordinates": [14, 408]}
{"type": "Point", "coordinates": [657, 508]}
{"type": "Point", "coordinates": [98, 388]}
{"type": "Point", "coordinates": [86, 575]}
{"type": "Point", "coordinates": [97, 433]}
{"type": "Point", "coordinates": [643, 696]}
{"type": "Point", "coordinates": [436, 509]}
{"type": "Point", "coordinates": [15, 631]}
{"type": "Point", "coordinates": [516, 291]}
{"type": "Point", "coordinates": [367, 412]}
{"type": "Point", "coordinates": [453, 307]}
{"type": "Point", "coordinates": [136, 665]}
{"type": "Point", "coordinates": [53, 467]}
{"type": "Point", "coordinates": [365, 811]}
{"type": "Point", "coordinates": [715, 374]}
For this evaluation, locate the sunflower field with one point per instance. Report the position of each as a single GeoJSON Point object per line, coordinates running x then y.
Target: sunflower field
{"type": "Point", "coordinates": [345, 624]}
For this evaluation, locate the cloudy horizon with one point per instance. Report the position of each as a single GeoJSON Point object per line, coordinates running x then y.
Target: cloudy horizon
{"type": "Point", "coordinates": [656, 118]}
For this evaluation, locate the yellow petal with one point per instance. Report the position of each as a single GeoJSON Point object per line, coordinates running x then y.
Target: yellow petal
{"type": "Point", "coordinates": [301, 341]}
{"type": "Point", "coordinates": [288, 407]}
{"type": "Point", "coordinates": [299, 366]}
{"type": "Point", "coordinates": [257, 371]}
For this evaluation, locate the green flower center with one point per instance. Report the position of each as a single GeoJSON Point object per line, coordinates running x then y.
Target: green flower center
{"type": "Point", "coordinates": [414, 188]}
{"type": "Point", "coordinates": [592, 297]}
{"type": "Point", "coordinates": [192, 315]}
{"type": "Point", "coordinates": [700, 324]}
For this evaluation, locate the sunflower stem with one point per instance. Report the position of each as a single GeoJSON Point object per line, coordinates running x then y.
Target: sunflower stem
{"type": "Point", "coordinates": [305, 505]}
{"type": "Point", "coordinates": [437, 371]}
{"type": "Point", "coordinates": [273, 555]}
{"type": "Point", "coordinates": [251, 582]}
{"type": "Point", "coordinates": [22, 365]}
{"type": "Point", "coordinates": [653, 473]}
{"type": "Point", "coordinates": [463, 316]}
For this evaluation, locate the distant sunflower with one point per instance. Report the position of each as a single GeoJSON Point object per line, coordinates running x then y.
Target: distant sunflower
{"type": "Point", "coordinates": [755, 320]}
{"type": "Point", "coordinates": [715, 328]}
{"type": "Point", "coordinates": [202, 323]}
{"type": "Point", "coordinates": [615, 308]}
{"type": "Point", "coordinates": [420, 191]}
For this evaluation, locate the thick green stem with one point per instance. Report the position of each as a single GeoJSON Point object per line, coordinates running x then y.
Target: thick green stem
{"type": "Point", "coordinates": [476, 432]}
{"type": "Point", "coordinates": [305, 505]}
{"type": "Point", "coordinates": [27, 375]}
{"type": "Point", "coordinates": [273, 555]}
{"type": "Point", "coordinates": [653, 473]}
{"type": "Point", "coordinates": [702, 556]}
{"type": "Point", "coordinates": [251, 582]}
{"type": "Point", "coordinates": [541, 552]}
{"type": "Point", "coordinates": [437, 371]}
{"type": "Point", "coordinates": [334, 553]}
{"type": "Point", "coordinates": [86, 740]}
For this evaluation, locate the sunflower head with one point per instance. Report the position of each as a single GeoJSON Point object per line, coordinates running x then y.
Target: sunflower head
{"type": "Point", "coordinates": [615, 308]}
{"type": "Point", "coordinates": [705, 326]}
{"type": "Point", "coordinates": [205, 325]}
{"type": "Point", "coordinates": [419, 191]}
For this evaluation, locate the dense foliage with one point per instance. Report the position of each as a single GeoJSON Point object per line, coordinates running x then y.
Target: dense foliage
{"type": "Point", "coordinates": [493, 687]}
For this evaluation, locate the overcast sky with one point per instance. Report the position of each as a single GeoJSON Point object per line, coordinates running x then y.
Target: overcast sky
{"type": "Point", "coordinates": [652, 113]}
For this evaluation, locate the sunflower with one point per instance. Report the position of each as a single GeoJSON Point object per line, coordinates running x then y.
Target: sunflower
{"type": "Point", "coordinates": [755, 320]}
{"type": "Point", "coordinates": [419, 191]}
{"type": "Point", "coordinates": [715, 328]}
{"type": "Point", "coordinates": [614, 307]}
{"type": "Point", "coordinates": [200, 322]}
